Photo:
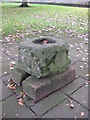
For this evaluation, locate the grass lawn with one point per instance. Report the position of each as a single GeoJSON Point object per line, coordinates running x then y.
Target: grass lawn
{"type": "Point", "coordinates": [42, 17]}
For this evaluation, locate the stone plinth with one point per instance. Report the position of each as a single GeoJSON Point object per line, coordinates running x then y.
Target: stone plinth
{"type": "Point", "coordinates": [43, 57]}
{"type": "Point", "coordinates": [39, 88]}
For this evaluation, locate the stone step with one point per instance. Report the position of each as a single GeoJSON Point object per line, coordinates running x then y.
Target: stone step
{"type": "Point", "coordinates": [39, 88]}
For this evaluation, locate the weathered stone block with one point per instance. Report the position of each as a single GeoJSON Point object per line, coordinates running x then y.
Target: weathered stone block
{"type": "Point", "coordinates": [18, 75]}
{"type": "Point", "coordinates": [44, 56]}
{"type": "Point", "coordinates": [38, 88]}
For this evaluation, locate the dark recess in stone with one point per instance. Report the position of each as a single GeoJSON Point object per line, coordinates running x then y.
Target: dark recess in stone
{"type": "Point", "coordinates": [43, 40]}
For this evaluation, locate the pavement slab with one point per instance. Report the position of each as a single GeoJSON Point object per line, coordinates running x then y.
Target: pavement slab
{"type": "Point", "coordinates": [73, 60]}
{"type": "Point", "coordinates": [76, 41]}
{"type": "Point", "coordinates": [12, 53]}
{"type": "Point", "coordinates": [6, 78]}
{"type": "Point", "coordinates": [5, 92]}
{"type": "Point", "coordinates": [15, 111]}
{"type": "Point", "coordinates": [6, 69]}
{"type": "Point", "coordinates": [63, 110]}
{"type": "Point", "coordinates": [78, 54]}
{"type": "Point", "coordinates": [54, 105]}
{"type": "Point", "coordinates": [4, 57]}
{"type": "Point", "coordinates": [72, 87]}
{"type": "Point", "coordinates": [11, 44]}
{"type": "Point", "coordinates": [81, 96]}
{"type": "Point", "coordinates": [81, 69]}
{"type": "Point", "coordinates": [48, 103]}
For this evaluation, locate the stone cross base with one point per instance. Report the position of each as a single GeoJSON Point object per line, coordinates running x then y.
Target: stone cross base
{"type": "Point", "coordinates": [40, 88]}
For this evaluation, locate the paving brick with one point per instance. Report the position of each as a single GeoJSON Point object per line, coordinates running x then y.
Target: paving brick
{"type": "Point", "coordinates": [73, 60]}
{"type": "Point", "coordinates": [6, 67]}
{"type": "Point", "coordinates": [12, 53]}
{"type": "Point", "coordinates": [81, 96]}
{"type": "Point", "coordinates": [80, 72]}
{"type": "Point", "coordinates": [69, 89]}
{"type": "Point", "coordinates": [63, 110]}
{"type": "Point", "coordinates": [5, 92]}
{"type": "Point", "coordinates": [48, 103]}
{"type": "Point", "coordinates": [84, 46]}
{"type": "Point", "coordinates": [7, 45]}
{"type": "Point", "coordinates": [11, 44]}
{"type": "Point", "coordinates": [11, 109]}
{"type": "Point", "coordinates": [79, 55]}
{"type": "Point", "coordinates": [76, 40]}
{"type": "Point", "coordinates": [39, 88]}
{"type": "Point", "coordinates": [6, 78]}
{"type": "Point", "coordinates": [4, 57]}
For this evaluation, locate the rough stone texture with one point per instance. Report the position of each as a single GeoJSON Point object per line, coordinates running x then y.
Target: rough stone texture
{"type": "Point", "coordinates": [43, 60]}
{"type": "Point", "coordinates": [39, 88]}
{"type": "Point", "coordinates": [18, 75]}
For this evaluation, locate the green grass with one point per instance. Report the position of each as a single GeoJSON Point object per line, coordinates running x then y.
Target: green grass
{"type": "Point", "coordinates": [39, 17]}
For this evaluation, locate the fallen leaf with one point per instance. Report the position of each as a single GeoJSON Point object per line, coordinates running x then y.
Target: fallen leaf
{"type": "Point", "coordinates": [78, 49]}
{"type": "Point", "coordinates": [5, 72]}
{"type": "Point", "coordinates": [17, 114]}
{"type": "Point", "coordinates": [81, 67]}
{"type": "Point", "coordinates": [20, 103]}
{"type": "Point", "coordinates": [71, 105]}
{"type": "Point", "coordinates": [87, 75]}
{"type": "Point", "coordinates": [82, 114]}
{"type": "Point", "coordinates": [20, 100]}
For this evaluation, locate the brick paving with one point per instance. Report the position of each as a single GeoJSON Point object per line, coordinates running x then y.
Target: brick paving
{"type": "Point", "coordinates": [57, 104]}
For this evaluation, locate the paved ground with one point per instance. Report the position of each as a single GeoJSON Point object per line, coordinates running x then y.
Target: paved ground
{"type": "Point", "coordinates": [56, 105]}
